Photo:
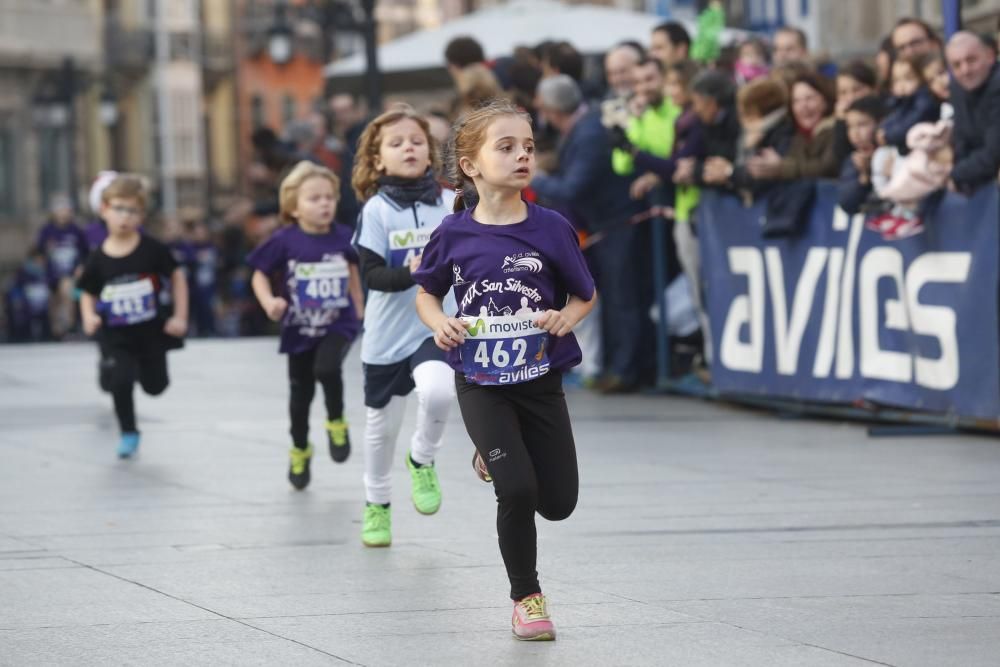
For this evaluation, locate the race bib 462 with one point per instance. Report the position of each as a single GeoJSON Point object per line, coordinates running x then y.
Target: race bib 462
{"type": "Point", "coordinates": [504, 350]}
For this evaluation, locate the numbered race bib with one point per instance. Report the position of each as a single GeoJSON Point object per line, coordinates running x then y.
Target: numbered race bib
{"type": "Point", "coordinates": [125, 304]}
{"type": "Point", "coordinates": [322, 285]}
{"type": "Point", "coordinates": [63, 258]}
{"type": "Point", "coordinates": [37, 296]}
{"type": "Point", "coordinates": [406, 244]}
{"type": "Point", "coordinates": [504, 349]}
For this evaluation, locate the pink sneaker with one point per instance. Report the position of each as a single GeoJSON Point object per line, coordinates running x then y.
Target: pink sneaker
{"type": "Point", "coordinates": [531, 620]}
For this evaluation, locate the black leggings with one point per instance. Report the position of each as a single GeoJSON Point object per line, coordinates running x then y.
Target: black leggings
{"type": "Point", "coordinates": [524, 435]}
{"type": "Point", "coordinates": [322, 363]}
{"type": "Point", "coordinates": [123, 368]}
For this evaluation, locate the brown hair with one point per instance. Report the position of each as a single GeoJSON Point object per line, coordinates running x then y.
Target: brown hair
{"type": "Point", "coordinates": [820, 84]}
{"type": "Point", "coordinates": [925, 60]}
{"type": "Point", "coordinates": [364, 176]}
{"type": "Point", "coordinates": [468, 136]}
{"type": "Point", "coordinates": [686, 71]}
{"type": "Point", "coordinates": [288, 193]}
{"type": "Point", "coordinates": [126, 186]}
{"type": "Point", "coordinates": [762, 96]}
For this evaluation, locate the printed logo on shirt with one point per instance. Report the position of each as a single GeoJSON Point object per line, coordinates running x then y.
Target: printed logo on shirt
{"type": "Point", "coordinates": [456, 275]}
{"type": "Point", "coordinates": [404, 245]}
{"type": "Point", "coordinates": [409, 239]}
{"type": "Point", "coordinates": [524, 261]}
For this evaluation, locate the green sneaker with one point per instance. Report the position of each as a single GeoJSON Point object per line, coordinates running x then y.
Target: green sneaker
{"type": "Point", "coordinates": [376, 531]}
{"type": "Point", "coordinates": [426, 490]}
{"type": "Point", "coordinates": [340, 440]}
{"type": "Point", "coordinates": [298, 469]}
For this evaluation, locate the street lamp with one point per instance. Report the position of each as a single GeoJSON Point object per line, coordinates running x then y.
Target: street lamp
{"type": "Point", "coordinates": [338, 18]}
{"type": "Point", "coordinates": [279, 37]}
{"type": "Point", "coordinates": [54, 114]}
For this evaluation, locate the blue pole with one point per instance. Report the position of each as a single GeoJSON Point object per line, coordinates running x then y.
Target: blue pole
{"type": "Point", "coordinates": [660, 273]}
{"type": "Point", "coordinates": [951, 12]}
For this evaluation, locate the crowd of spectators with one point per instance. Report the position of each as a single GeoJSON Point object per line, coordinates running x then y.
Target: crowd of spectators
{"type": "Point", "coordinates": [640, 134]}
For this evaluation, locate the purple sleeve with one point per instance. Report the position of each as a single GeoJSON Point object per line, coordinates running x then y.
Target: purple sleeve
{"type": "Point", "coordinates": [81, 242]}
{"type": "Point", "coordinates": [434, 274]}
{"type": "Point", "coordinates": [570, 264]}
{"type": "Point", "coordinates": [350, 252]}
{"type": "Point", "coordinates": [43, 238]}
{"type": "Point", "coordinates": [268, 256]}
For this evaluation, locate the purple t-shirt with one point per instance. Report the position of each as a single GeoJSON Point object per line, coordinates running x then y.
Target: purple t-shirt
{"type": "Point", "coordinates": [314, 271]}
{"type": "Point", "coordinates": [504, 276]}
{"type": "Point", "coordinates": [65, 249]}
{"type": "Point", "coordinates": [96, 231]}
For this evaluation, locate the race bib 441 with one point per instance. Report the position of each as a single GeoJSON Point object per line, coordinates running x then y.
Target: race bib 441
{"type": "Point", "coordinates": [322, 285]}
{"type": "Point", "coordinates": [504, 350]}
{"type": "Point", "coordinates": [406, 244]}
{"type": "Point", "coordinates": [129, 303]}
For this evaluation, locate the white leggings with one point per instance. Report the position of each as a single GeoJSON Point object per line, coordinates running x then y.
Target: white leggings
{"type": "Point", "coordinates": [435, 386]}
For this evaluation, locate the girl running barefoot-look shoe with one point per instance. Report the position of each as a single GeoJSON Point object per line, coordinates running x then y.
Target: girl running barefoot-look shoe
{"type": "Point", "coordinates": [395, 175]}
{"type": "Point", "coordinates": [522, 285]}
{"type": "Point", "coordinates": [319, 305]}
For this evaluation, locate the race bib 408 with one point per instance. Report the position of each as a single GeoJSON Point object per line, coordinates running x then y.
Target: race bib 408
{"type": "Point", "coordinates": [322, 285]}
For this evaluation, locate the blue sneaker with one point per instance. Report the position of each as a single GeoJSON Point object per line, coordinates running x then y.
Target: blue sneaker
{"type": "Point", "coordinates": [128, 444]}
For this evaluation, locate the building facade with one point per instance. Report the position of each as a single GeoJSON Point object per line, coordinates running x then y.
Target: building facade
{"type": "Point", "coordinates": [88, 85]}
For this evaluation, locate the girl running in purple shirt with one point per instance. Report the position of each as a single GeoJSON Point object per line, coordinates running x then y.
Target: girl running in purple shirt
{"type": "Point", "coordinates": [521, 284]}
{"type": "Point", "coordinates": [319, 305]}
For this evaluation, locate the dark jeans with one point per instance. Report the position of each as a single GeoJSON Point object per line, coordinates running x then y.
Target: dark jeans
{"type": "Point", "coordinates": [621, 262]}
{"type": "Point", "coordinates": [123, 368]}
{"type": "Point", "coordinates": [320, 364]}
{"type": "Point", "coordinates": [524, 435]}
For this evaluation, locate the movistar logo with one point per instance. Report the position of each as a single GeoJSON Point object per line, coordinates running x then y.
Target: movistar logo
{"type": "Point", "coordinates": [306, 271]}
{"type": "Point", "coordinates": [477, 327]}
{"type": "Point", "coordinates": [403, 240]}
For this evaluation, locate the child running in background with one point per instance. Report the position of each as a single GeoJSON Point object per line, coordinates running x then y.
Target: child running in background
{"type": "Point", "coordinates": [121, 302]}
{"type": "Point", "coordinates": [319, 305]}
{"type": "Point", "coordinates": [65, 247]}
{"type": "Point", "coordinates": [395, 174]}
{"type": "Point", "coordinates": [522, 286]}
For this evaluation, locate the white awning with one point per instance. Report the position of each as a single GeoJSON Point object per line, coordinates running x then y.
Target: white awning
{"type": "Point", "coordinates": [592, 29]}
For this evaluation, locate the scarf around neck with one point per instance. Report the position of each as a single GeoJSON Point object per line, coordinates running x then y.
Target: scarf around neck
{"type": "Point", "coordinates": [406, 192]}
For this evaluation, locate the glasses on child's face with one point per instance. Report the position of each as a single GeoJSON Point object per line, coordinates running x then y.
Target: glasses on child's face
{"type": "Point", "coordinates": [126, 211]}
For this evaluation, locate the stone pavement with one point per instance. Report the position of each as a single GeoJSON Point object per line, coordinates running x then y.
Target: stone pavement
{"type": "Point", "coordinates": [705, 535]}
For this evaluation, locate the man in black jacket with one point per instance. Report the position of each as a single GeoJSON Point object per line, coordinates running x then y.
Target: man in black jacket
{"type": "Point", "coordinates": [975, 95]}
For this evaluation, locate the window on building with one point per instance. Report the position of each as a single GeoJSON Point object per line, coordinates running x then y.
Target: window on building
{"type": "Point", "coordinates": [7, 203]}
{"type": "Point", "coordinates": [288, 109]}
{"type": "Point", "coordinates": [53, 162]}
{"type": "Point", "coordinates": [258, 114]}
{"type": "Point", "coordinates": [186, 119]}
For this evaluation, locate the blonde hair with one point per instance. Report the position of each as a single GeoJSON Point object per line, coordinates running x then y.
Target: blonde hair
{"type": "Point", "coordinates": [288, 194]}
{"type": "Point", "coordinates": [364, 176]}
{"type": "Point", "coordinates": [476, 85]}
{"type": "Point", "coordinates": [468, 135]}
{"type": "Point", "coordinates": [126, 186]}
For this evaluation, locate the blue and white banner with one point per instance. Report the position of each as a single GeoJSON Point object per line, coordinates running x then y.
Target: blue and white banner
{"type": "Point", "coordinates": [840, 315]}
